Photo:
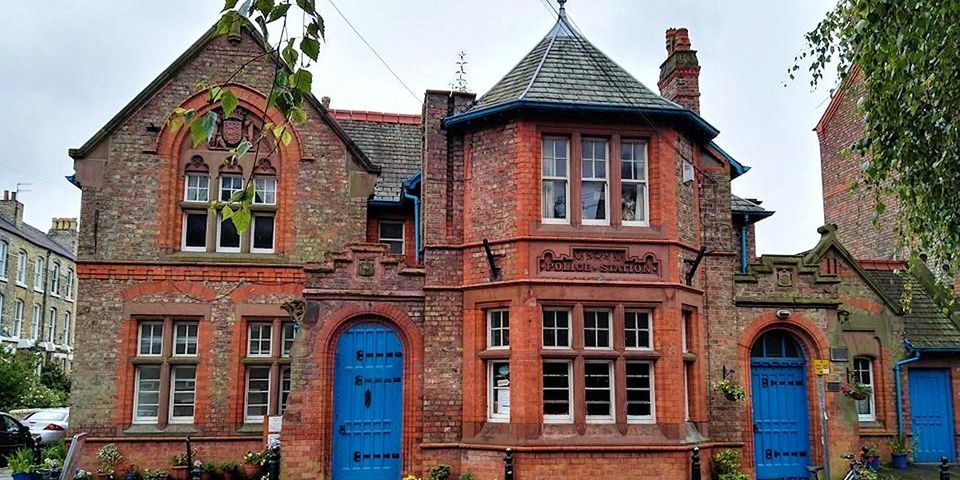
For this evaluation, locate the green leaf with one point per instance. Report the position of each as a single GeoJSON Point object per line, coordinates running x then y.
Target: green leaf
{"type": "Point", "coordinates": [242, 149]}
{"type": "Point", "coordinates": [298, 115]}
{"type": "Point", "coordinates": [278, 12]}
{"type": "Point", "coordinates": [197, 135]}
{"type": "Point", "coordinates": [310, 47]}
{"type": "Point", "coordinates": [228, 4]}
{"type": "Point", "coordinates": [241, 219]}
{"type": "Point", "coordinates": [176, 123]}
{"type": "Point", "coordinates": [215, 93]}
{"type": "Point", "coordinates": [286, 137]}
{"type": "Point", "coordinates": [290, 55]}
{"type": "Point", "coordinates": [308, 6]}
{"type": "Point", "coordinates": [229, 102]}
{"type": "Point", "coordinates": [302, 81]}
{"type": "Point", "coordinates": [264, 6]}
{"type": "Point", "coordinates": [226, 213]}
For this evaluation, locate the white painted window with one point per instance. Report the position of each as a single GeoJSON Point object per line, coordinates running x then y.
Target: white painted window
{"type": "Point", "coordinates": [391, 233]}
{"type": "Point", "coordinates": [596, 329]}
{"type": "Point", "coordinates": [146, 397]}
{"type": "Point", "coordinates": [55, 279]}
{"type": "Point", "coordinates": [633, 183]}
{"type": "Point", "coordinates": [498, 393]}
{"type": "Point", "coordinates": [52, 325]}
{"type": "Point", "coordinates": [262, 233]}
{"type": "Point", "coordinates": [38, 274]}
{"type": "Point", "coordinates": [555, 175]}
{"type": "Point", "coordinates": [183, 393]}
{"type": "Point", "coordinates": [228, 239]}
{"type": "Point", "coordinates": [18, 318]}
{"type": "Point", "coordinates": [498, 328]}
{"type": "Point", "coordinates": [185, 338]}
{"type": "Point", "coordinates": [556, 328]}
{"type": "Point", "coordinates": [35, 322]}
{"type": "Point", "coordinates": [637, 329]}
{"type": "Point", "coordinates": [289, 335]}
{"type": "Point", "coordinates": [285, 384]}
{"type": "Point", "coordinates": [557, 391]}
{"type": "Point", "coordinates": [598, 391]}
{"type": "Point", "coordinates": [257, 398]}
{"type": "Point", "coordinates": [640, 392]}
{"type": "Point", "coordinates": [265, 190]}
{"type": "Point", "coordinates": [194, 238]}
{"type": "Point", "coordinates": [197, 187]}
{"type": "Point", "coordinates": [150, 339]}
{"type": "Point", "coordinates": [3, 328]}
{"type": "Point", "coordinates": [4, 251]}
{"type": "Point", "coordinates": [863, 373]}
{"type": "Point", "coordinates": [594, 185]}
{"type": "Point", "coordinates": [70, 284]}
{"type": "Point", "coordinates": [22, 268]}
{"type": "Point", "coordinates": [229, 185]}
{"type": "Point", "coordinates": [65, 335]}
{"type": "Point", "coordinates": [259, 339]}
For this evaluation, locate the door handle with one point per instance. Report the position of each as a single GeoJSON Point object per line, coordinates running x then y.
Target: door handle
{"type": "Point", "coordinates": [756, 429]}
{"type": "Point", "coordinates": [343, 429]}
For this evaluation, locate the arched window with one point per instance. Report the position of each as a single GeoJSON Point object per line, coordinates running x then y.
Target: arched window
{"type": "Point", "coordinates": [863, 374]}
{"type": "Point", "coordinates": [205, 229]}
{"type": "Point", "coordinates": [776, 344]}
{"type": "Point", "coordinates": [55, 279]}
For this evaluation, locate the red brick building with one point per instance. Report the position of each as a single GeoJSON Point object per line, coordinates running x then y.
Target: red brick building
{"type": "Point", "coordinates": [557, 267]}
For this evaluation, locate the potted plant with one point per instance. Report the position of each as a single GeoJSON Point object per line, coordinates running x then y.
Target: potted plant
{"type": "Point", "coordinates": [726, 466]}
{"type": "Point", "coordinates": [856, 391]}
{"type": "Point", "coordinates": [228, 470]}
{"type": "Point", "coordinates": [899, 452]}
{"type": "Point", "coordinates": [207, 470]}
{"type": "Point", "coordinates": [731, 390]}
{"type": "Point", "coordinates": [254, 462]}
{"type": "Point", "coordinates": [131, 473]}
{"type": "Point", "coordinates": [872, 457]}
{"type": "Point", "coordinates": [82, 474]}
{"type": "Point", "coordinates": [53, 457]}
{"type": "Point", "coordinates": [109, 457]}
{"type": "Point", "coordinates": [50, 468]}
{"type": "Point", "coordinates": [439, 472]}
{"type": "Point", "coordinates": [179, 463]}
{"type": "Point", "coordinates": [21, 464]}
{"type": "Point", "coordinates": [151, 474]}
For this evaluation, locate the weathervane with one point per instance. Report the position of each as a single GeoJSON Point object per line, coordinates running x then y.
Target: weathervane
{"type": "Point", "coordinates": [562, 13]}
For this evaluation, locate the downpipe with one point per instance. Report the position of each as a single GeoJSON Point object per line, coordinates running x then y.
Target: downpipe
{"type": "Point", "coordinates": [898, 383]}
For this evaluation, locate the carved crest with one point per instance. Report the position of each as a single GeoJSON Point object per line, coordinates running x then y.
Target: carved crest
{"type": "Point", "coordinates": [784, 277]}
{"type": "Point", "coordinates": [296, 309]}
{"type": "Point", "coordinates": [232, 131]}
{"type": "Point", "coordinates": [599, 260]}
{"type": "Point", "coordinates": [365, 267]}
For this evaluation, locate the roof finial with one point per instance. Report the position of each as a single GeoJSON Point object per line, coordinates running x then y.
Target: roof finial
{"type": "Point", "coordinates": [563, 11]}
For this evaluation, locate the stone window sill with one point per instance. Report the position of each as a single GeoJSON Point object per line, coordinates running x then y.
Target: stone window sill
{"type": "Point", "coordinates": [153, 429]}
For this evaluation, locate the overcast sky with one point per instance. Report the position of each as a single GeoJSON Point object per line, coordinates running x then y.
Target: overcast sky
{"type": "Point", "coordinates": [69, 66]}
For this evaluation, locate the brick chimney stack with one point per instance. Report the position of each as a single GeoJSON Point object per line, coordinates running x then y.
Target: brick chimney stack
{"type": "Point", "coordinates": [680, 72]}
{"type": "Point", "coordinates": [11, 209]}
{"type": "Point", "coordinates": [64, 232]}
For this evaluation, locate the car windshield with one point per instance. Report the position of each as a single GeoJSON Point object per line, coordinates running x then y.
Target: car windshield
{"type": "Point", "coordinates": [48, 416]}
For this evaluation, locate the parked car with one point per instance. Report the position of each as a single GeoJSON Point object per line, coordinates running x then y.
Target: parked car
{"type": "Point", "coordinates": [48, 425]}
{"type": "Point", "coordinates": [13, 436]}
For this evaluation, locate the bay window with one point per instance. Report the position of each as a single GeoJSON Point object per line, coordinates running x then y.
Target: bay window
{"type": "Point", "coordinates": [640, 392]}
{"type": "Point", "coordinates": [633, 182]}
{"type": "Point", "coordinates": [637, 329]}
{"type": "Point", "coordinates": [557, 391]}
{"type": "Point", "coordinates": [555, 179]}
{"type": "Point", "coordinates": [594, 191]}
{"type": "Point", "coordinates": [498, 328]}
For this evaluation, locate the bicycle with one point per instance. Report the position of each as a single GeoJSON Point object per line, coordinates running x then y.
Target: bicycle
{"type": "Point", "coordinates": [858, 463]}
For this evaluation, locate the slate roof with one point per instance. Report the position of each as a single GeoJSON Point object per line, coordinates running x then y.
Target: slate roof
{"type": "Point", "coordinates": [391, 142]}
{"type": "Point", "coordinates": [925, 324]}
{"type": "Point", "coordinates": [37, 237]}
{"type": "Point", "coordinates": [566, 68]}
{"type": "Point", "coordinates": [750, 207]}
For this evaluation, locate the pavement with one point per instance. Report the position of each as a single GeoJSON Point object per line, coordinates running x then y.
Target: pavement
{"type": "Point", "coordinates": [916, 472]}
{"type": "Point", "coordinates": [5, 474]}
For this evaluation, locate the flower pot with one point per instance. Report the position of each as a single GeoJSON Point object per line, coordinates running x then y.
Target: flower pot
{"type": "Point", "coordinates": [899, 461]}
{"type": "Point", "coordinates": [103, 476]}
{"type": "Point", "coordinates": [730, 396]}
{"type": "Point", "coordinates": [873, 461]}
{"type": "Point", "coordinates": [857, 396]}
{"type": "Point", "coordinates": [228, 475]}
{"type": "Point", "coordinates": [252, 471]}
{"type": "Point", "coordinates": [206, 476]}
{"type": "Point", "coordinates": [179, 473]}
{"type": "Point", "coordinates": [22, 476]}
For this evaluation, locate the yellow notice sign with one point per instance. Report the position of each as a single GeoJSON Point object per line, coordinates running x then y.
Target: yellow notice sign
{"type": "Point", "coordinates": [821, 367]}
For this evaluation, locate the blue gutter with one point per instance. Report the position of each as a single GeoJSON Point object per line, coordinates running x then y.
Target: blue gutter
{"type": "Point", "coordinates": [409, 185]}
{"type": "Point", "coordinates": [898, 383]}
{"type": "Point", "coordinates": [736, 168]}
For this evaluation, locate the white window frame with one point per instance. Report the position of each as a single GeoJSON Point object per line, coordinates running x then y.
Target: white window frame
{"type": "Point", "coordinates": [613, 394]}
{"type": "Point", "coordinates": [649, 329]}
{"type": "Point", "coordinates": [183, 236]}
{"type": "Point", "coordinates": [70, 284]}
{"type": "Point", "coordinates": [652, 418]}
{"type": "Point", "coordinates": [269, 188]}
{"type": "Point", "coordinates": [173, 391]}
{"type": "Point", "coordinates": [22, 261]}
{"type": "Point", "coordinates": [18, 307]}
{"type": "Point", "coordinates": [565, 179]}
{"type": "Point", "coordinates": [55, 279]}
{"type": "Point", "coordinates": [269, 327]}
{"type": "Point", "coordinates": [140, 326]}
{"type": "Point", "coordinates": [686, 391]}
{"type": "Point", "coordinates": [284, 387]}
{"type": "Point", "coordinates": [223, 249]}
{"type": "Point", "coordinates": [65, 331]}
{"type": "Point", "coordinates": [246, 394]}
{"type": "Point", "coordinates": [284, 351]}
{"type": "Point", "coordinates": [503, 314]}
{"type": "Point", "coordinates": [253, 228]}
{"type": "Point", "coordinates": [606, 182]}
{"type": "Point", "coordinates": [4, 251]}
{"type": "Point", "coordinates": [497, 417]}
{"type": "Point", "coordinates": [232, 190]}
{"type": "Point", "coordinates": [568, 418]}
{"type": "Point", "coordinates": [872, 416]}
{"type": "Point", "coordinates": [645, 182]}
{"type": "Point", "coordinates": [595, 330]}
{"type": "Point", "coordinates": [388, 240]}
{"type": "Point", "coordinates": [196, 190]}
{"type": "Point", "coordinates": [569, 329]}
{"type": "Point", "coordinates": [37, 319]}
{"type": "Point", "coordinates": [195, 338]}
{"type": "Point", "coordinates": [136, 395]}
{"type": "Point", "coordinates": [52, 326]}
{"type": "Point", "coordinates": [38, 271]}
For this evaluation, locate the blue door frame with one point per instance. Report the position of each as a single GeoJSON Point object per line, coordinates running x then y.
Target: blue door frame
{"type": "Point", "coordinates": [368, 404]}
{"type": "Point", "coordinates": [931, 415]}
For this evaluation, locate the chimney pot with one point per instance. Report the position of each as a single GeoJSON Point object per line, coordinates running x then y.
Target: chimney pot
{"type": "Point", "coordinates": [6, 194]}
{"type": "Point", "coordinates": [680, 72]}
{"type": "Point", "coordinates": [325, 101]}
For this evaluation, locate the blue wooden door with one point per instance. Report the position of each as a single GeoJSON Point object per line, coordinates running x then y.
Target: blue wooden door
{"type": "Point", "coordinates": [931, 415]}
{"type": "Point", "coordinates": [368, 404]}
{"type": "Point", "coordinates": [781, 435]}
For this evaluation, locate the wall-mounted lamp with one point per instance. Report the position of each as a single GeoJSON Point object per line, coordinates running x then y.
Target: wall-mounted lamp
{"type": "Point", "coordinates": [783, 314]}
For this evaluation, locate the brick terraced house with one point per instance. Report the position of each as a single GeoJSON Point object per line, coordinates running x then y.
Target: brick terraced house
{"type": "Point", "coordinates": [557, 267]}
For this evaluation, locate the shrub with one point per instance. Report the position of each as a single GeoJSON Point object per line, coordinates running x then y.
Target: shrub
{"type": "Point", "coordinates": [21, 461]}
{"type": "Point", "coordinates": [466, 476]}
{"type": "Point", "coordinates": [109, 457]}
{"type": "Point", "coordinates": [151, 474]}
{"type": "Point", "coordinates": [439, 472]}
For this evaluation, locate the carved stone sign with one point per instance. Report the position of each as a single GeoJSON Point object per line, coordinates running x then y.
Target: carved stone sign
{"type": "Point", "coordinates": [599, 260]}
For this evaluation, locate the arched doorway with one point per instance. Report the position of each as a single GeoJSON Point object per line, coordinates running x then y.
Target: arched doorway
{"type": "Point", "coordinates": [781, 435]}
{"type": "Point", "coordinates": [368, 403]}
